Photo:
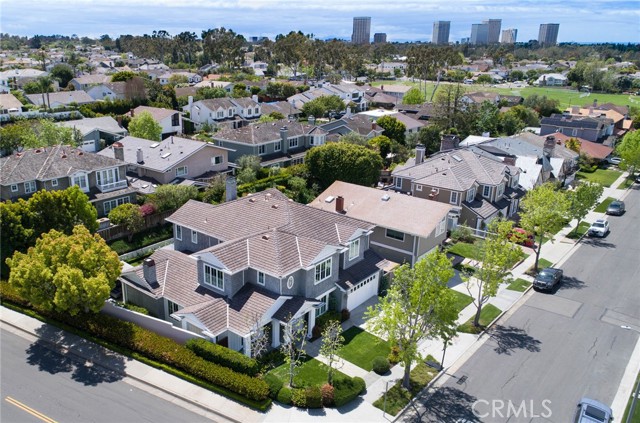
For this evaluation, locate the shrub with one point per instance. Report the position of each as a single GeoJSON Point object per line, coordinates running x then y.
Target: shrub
{"type": "Point", "coordinates": [271, 360]}
{"type": "Point", "coordinates": [360, 383]}
{"type": "Point", "coordinates": [223, 356]}
{"type": "Point", "coordinates": [346, 390]}
{"type": "Point", "coordinates": [274, 383]}
{"type": "Point", "coordinates": [148, 209]}
{"type": "Point", "coordinates": [132, 307]}
{"type": "Point", "coordinates": [346, 314]}
{"type": "Point", "coordinates": [394, 355]}
{"type": "Point", "coordinates": [313, 397]}
{"type": "Point", "coordinates": [284, 396]}
{"type": "Point", "coordinates": [327, 395]}
{"type": "Point", "coordinates": [380, 365]}
{"type": "Point", "coordinates": [462, 233]}
{"type": "Point", "coordinates": [299, 397]}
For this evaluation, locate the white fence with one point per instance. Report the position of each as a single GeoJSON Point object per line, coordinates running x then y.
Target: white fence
{"type": "Point", "coordinates": [145, 250]}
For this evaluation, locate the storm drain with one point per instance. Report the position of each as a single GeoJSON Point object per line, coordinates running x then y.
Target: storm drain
{"type": "Point", "coordinates": [461, 380]}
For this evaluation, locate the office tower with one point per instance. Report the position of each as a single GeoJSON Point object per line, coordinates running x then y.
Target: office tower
{"type": "Point", "coordinates": [548, 34]}
{"type": "Point", "coordinates": [493, 36]}
{"type": "Point", "coordinates": [509, 36]}
{"type": "Point", "coordinates": [361, 30]}
{"type": "Point", "coordinates": [441, 32]}
{"type": "Point", "coordinates": [479, 34]}
{"type": "Point", "coordinates": [379, 38]}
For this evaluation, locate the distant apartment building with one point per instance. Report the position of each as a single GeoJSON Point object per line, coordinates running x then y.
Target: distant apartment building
{"type": "Point", "coordinates": [441, 32]}
{"type": "Point", "coordinates": [548, 34]}
{"type": "Point", "coordinates": [509, 36]}
{"type": "Point", "coordinates": [361, 30]}
{"type": "Point", "coordinates": [479, 34]}
{"type": "Point", "coordinates": [379, 38]}
{"type": "Point", "coordinates": [493, 30]}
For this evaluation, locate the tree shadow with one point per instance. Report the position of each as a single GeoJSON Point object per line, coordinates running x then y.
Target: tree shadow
{"type": "Point", "coordinates": [510, 338]}
{"type": "Point", "coordinates": [570, 282]}
{"type": "Point", "coordinates": [443, 405]}
{"type": "Point", "coordinates": [598, 242]}
{"type": "Point", "coordinates": [58, 351]}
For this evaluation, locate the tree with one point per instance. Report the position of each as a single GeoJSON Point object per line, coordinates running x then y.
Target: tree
{"type": "Point", "coordinates": [393, 128]}
{"type": "Point", "coordinates": [382, 145]}
{"type": "Point", "coordinates": [484, 79]}
{"type": "Point", "coordinates": [62, 210]}
{"type": "Point", "coordinates": [145, 126]}
{"type": "Point", "coordinates": [62, 73]}
{"type": "Point", "coordinates": [345, 162]}
{"type": "Point", "coordinates": [573, 144]}
{"type": "Point", "coordinates": [320, 106]}
{"type": "Point", "coordinates": [509, 123]}
{"type": "Point", "coordinates": [45, 86]}
{"type": "Point", "coordinates": [497, 254]}
{"type": "Point", "coordinates": [413, 96]}
{"type": "Point", "coordinates": [66, 273]}
{"type": "Point", "coordinates": [544, 213]}
{"type": "Point", "coordinates": [123, 76]}
{"type": "Point", "coordinates": [629, 151]}
{"type": "Point", "coordinates": [354, 138]}
{"type": "Point", "coordinates": [128, 215]}
{"type": "Point", "coordinates": [260, 336]}
{"type": "Point", "coordinates": [215, 191]}
{"type": "Point", "coordinates": [417, 307]}
{"type": "Point", "coordinates": [487, 118]}
{"type": "Point", "coordinates": [429, 136]}
{"type": "Point", "coordinates": [332, 342]}
{"type": "Point", "coordinates": [294, 339]}
{"type": "Point", "coordinates": [223, 46]}
{"type": "Point", "coordinates": [171, 197]}
{"type": "Point", "coordinates": [516, 75]}
{"type": "Point", "coordinates": [541, 104]}
{"type": "Point", "coordinates": [291, 49]}
{"type": "Point", "coordinates": [582, 199]}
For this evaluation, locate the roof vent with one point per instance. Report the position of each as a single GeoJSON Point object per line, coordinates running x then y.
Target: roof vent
{"type": "Point", "coordinates": [252, 200]}
{"type": "Point", "coordinates": [385, 197]}
{"type": "Point", "coordinates": [154, 145]}
{"type": "Point", "coordinates": [265, 237]}
{"type": "Point", "coordinates": [274, 206]}
{"type": "Point", "coordinates": [329, 199]}
{"type": "Point", "coordinates": [165, 155]}
{"type": "Point", "coordinates": [457, 158]}
{"type": "Point", "coordinates": [38, 151]}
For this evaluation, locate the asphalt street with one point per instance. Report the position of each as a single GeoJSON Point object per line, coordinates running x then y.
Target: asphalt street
{"type": "Point", "coordinates": [39, 385]}
{"type": "Point", "coordinates": [556, 347]}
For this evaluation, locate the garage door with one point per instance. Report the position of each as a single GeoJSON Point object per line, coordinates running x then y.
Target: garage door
{"type": "Point", "coordinates": [362, 292]}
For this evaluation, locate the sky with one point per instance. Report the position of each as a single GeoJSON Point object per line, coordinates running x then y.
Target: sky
{"type": "Point", "coordinates": [407, 20]}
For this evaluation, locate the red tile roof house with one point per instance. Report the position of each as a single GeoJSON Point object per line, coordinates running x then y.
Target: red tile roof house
{"type": "Point", "coordinates": [592, 149]}
{"type": "Point", "coordinates": [261, 258]}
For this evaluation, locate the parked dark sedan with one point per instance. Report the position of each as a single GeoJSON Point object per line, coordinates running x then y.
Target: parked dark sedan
{"type": "Point", "coordinates": [547, 279]}
{"type": "Point", "coordinates": [616, 208]}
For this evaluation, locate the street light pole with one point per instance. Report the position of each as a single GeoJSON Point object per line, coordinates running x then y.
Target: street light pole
{"type": "Point", "coordinates": [384, 406]}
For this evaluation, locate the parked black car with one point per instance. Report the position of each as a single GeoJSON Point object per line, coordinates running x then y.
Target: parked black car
{"type": "Point", "coordinates": [547, 279]}
{"type": "Point", "coordinates": [616, 208]}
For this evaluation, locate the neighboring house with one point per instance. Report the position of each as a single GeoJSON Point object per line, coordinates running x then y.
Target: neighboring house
{"type": "Point", "coordinates": [158, 163]}
{"type": "Point", "coordinates": [96, 132]}
{"type": "Point", "coordinates": [283, 107]}
{"type": "Point", "coordinates": [594, 150]}
{"type": "Point", "coordinates": [349, 93]}
{"type": "Point", "coordinates": [61, 99]}
{"type": "Point", "coordinates": [377, 98]}
{"type": "Point", "coordinates": [258, 261]}
{"type": "Point", "coordinates": [280, 143]}
{"type": "Point", "coordinates": [393, 90]}
{"type": "Point", "coordinates": [594, 129]}
{"type": "Point", "coordinates": [479, 188]}
{"type": "Point", "coordinates": [360, 124]}
{"type": "Point", "coordinates": [419, 112]}
{"type": "Point", "coordinates": [225, 112]}
{"type": "Point", "coordinates": [108, 91]}
{"type": "Point", "coordinates": [56, 168]}
{"type": "Point", "coordinates": [192, 78]}
{"type": "Point", "coordinates": [227, 86]}
{"type": "Point", "coordinates": [9, 104]}
{"type": "Point", "coordinates": [412, 125]}
{"type": "Point", "coordinates": [16, 78]}
{"type": "Point", "coordinates": [407, 228]}
{"type": "Point", "coordinates": [169, 120]}
{"type": "Point", "coordinates": [479, 97]}
{"type": "Point", "coordinates": [84, 82]}
{"type": "Point", "coordinates": [617, 114]}
{"type": "Point", "coordinates": [551, 79]}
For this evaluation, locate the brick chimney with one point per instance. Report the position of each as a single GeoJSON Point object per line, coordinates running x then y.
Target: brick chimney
{"type": "Point", "coordinates": [149, 271]}
{"type": "Point", "coordinates": [340, 204]}
{"type": "Point", "coordinates": [118, 150]}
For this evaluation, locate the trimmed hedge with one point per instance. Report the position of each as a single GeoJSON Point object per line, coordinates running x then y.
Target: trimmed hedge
{"type": "Point", "coordinates": [284, 396]}
{"type": "Point", "coordinates": [223, 356]}
{"type": "Point", "coordinates": [346, 390]}
{"type": "Point", "coordinates": [327, 395]}
{"type": "Point", "coordinates": [299, 397]}
{"type": "Point", "coordinates": [314, 397]}
{"type": "Point", "coordinates": [381, 365]}
{"type": "Point", "coordinates": [275, 384]}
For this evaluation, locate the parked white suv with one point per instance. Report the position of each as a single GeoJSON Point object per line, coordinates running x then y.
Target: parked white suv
{"type": "Point", "coordinates": [599, 228]}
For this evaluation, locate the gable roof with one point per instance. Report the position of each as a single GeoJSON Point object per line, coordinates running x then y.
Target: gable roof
{"type": "Point", "coordinates": [92, 79]}
{"type": "Point", "coordinates": [571, 121]}
{"type": "Point", "coordinates": [87, 125]}
{"type": "Point", "coordinates": [158, 113]}
{"type": "Point", "coordinates": [528, 144]}
{"type": "Point", "coordinates": [260, 133]}
{"type": "Point", "coordinates": [61, 97]}
{"type": "Point", "coordinates": [9, 101]}
{"type": "Point", "coordinates": [360, 124]}
{"type": "Point", "coordinates": [593, 149]}
{"type": "Point", "coordinates": [283, 107]}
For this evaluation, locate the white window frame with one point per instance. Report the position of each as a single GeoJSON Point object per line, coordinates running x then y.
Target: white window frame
{"type": "Point", "coordinates": [117, 201]}
{"type": "Point", "coordinates": [398, 182]}
{"type": "Point", "coordinates": [354, 249]}
{"type": "Point", "coordinates": [442, 227]}
{"type": "Point", "coordinates": [54, 182]}
{"type": "Point", "coordinates": [323, 306]}
{"type": "Point", "coordinates": [230, 112]}
{"type": "Point", "coordinates": [216, 160]}
{"type": "Point", "coordinates": [471, 194]}
{"type": "Point", "coordinates": [179, 232]}
{"type": "Point", "coordinates": [453, 197]}
{"type": "Point", "coordinates": [277, 146]}
{"type": "Point", "coordinates": [392, 236]}
{"type": "Point", "coordinates": [81, 177]}
{"type": "Point", "coordinates": [220, 115]}
{"type": "Point", "coordinates": [30, 187]}
{"type": "Point", "coordinates": [14, 188]}
{"type": "Point", "coordinates": [107, 176]}
{"type": "Point", "coordinates": [194, 237]}
{"type": "Point", "coordinates": [486, 191]}
{"type": "Point", "coordinates": [213, 277]}
{"type": "Point", "coordinates": [262, 149]}
{"type": "Point", "coordinates": [323, 270]}
{"type": "Point", "coordinates": [293, 142]}
{"type": "Point", "coordinates": [500, 191]}
{"type": "Point", "coordinates": [257, 110]}
{"type": "Point", "coordinates": [172, 307]}
{"type": "Point", "coordinates": [419, 188]}
{"type": "Point", "coordinates": [182, 171]}
{"type": "Point", "coordinates": [261, 277]}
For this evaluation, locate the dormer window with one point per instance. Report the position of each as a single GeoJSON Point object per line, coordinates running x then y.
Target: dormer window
{"type": "Point", "coordinates": [323, 271]}
{"type": "Point", "coordinates": [213, 277]}
{"type": "Point", "coordinates": [354, 249]}
{"type": "Point", "coordinates": [81, 180]}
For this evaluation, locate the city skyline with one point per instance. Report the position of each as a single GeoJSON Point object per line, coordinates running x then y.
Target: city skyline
{"type": "Point", "coordinates": [607, 20]}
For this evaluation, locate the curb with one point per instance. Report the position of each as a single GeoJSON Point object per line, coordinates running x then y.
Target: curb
{"type": "Point", "coordinates": [77, 354]}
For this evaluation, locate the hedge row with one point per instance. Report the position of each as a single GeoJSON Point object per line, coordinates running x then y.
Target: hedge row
{"type": "Point", "coordinates": [342, 392]}
{"type": "Point", "coordinates": [346, 390]}
{"type": "Point", "coordinates": [155, 347]}
{"type": "Point", "coordinates": [223, 356]}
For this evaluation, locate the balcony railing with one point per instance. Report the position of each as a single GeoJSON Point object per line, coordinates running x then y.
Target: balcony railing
{"type": "Point", "coordinates": [112, 186]}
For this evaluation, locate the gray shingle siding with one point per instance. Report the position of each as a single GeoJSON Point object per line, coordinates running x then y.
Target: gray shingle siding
{"type": "Point", "coordinates": [311, 289]}
{"type": "Point", "coordinates": [185, 244]}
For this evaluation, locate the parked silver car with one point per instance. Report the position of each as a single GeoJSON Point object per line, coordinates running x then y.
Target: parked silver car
{"type": "Point", "coordinates": [592, 411]}
{"type": "Point", "coordinates": [616, 208]}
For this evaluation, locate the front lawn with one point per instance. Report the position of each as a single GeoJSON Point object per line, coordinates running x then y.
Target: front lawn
{"type": "Point", "coordinates": [519, 285]}
{"type": "Point", "coordinates": [602, 207]}
{"type": "Point", "coordinates": [462, 300]}
{"type": "Point", "coordinates": [627, 183]}
{"type": "Point", "coordinates": [582, 229]}
{"type": "Point", "coordinates": [542, 263]}
{"type": "Point", "coordinates": [604, 177]}
{"type": "Point", "coordinates": [361, 347]}
{"type": "Point", "coordinates": [487, 315]}
{"type": "Point", "coordinates": [398, 397]}
{"type": "Point", "coordinates": [466, 250]}
{"type": "Point", "coordinates": [311, 373]}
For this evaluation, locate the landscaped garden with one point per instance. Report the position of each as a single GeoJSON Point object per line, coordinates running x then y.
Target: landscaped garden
{"type": "Point", "coordinates": [602, 207]}
{"type": "Point", "coordinates": [142, 239]}
{"type": "Point", "coordinates": [487, 315]}
{"type": "Point", "coordinates": [519, 285]}
{"type": "Point", "coordinates": [361, 347]}
{"type": "Point", "coordinates": [604, 177]}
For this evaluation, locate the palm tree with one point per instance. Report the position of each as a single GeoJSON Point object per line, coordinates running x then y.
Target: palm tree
{"type": "Point", "coordinates": [44, 82]}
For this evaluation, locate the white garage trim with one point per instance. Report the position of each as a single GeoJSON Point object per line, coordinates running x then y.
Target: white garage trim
{"type": "Point", "coordinates": [362, 291]}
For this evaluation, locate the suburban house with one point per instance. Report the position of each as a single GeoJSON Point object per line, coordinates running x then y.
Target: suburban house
{"type": "Point", "coordinates": [192, 78]}
{"type": "Point", "coordinates": [377, 98]}
{"type": "Point", "coordinates": [617, 114]}
{"type": "Point", "coordinates": [479, 188]}
{"type": "Point", "coordinates": [169, 120]}
{"type": "Point", "coordinates": [16, 78]}
{"type": "Point", "coordinates": [283, 107]}
{"type": "Point", "coordinates": [108, 91]}
{"type": "Point", "coordinates": [594, 129]}
{"type": "Point", "coordinates": [152, 163]}
{"type": "Point", "coordinates": [350, 94]}
{"type": "Point", "coordinates": [84, 82]}
{"type": "Point", "coordinates": [551, 79]}
{"type": "Point", "coordinates": [60, 99]}
{"type": "Point", "coordinates": [96, 132]}
{"type": "Point", "coordinates": [281, 143]}
{"type": "Point", "coordinates": [360, 124]}
{"type": "Point", "coordinates": [9, 104]}
{"type": "Point", "coordinates": [411, 124]}
{"type": "Point", "coordinates": [207, 83]}
{"type": "Point", "coordinates": [226, 112]}
{"type": "Point", "coordinates": [56, 168]}
{"type": "Point", "coordinates": [594, 150]}
{"type": "Point", "coordinates": [406, 228]}
{"type": "Point", "coordinates": [395, 90]}
{"type": "Point", "coordinates": [258, 261]}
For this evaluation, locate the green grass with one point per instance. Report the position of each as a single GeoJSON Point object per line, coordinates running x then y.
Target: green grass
{"type": "Point", "coordinates": [487, 315]}
{"type": "Point", "coordinates": [582, 229]}
{"type": "Point", "coordinates": [398, 398]}
{"type": "Point", "coordinates": [636, 411]}
{"type": "Point", "coordinates": [466, 250]}
{"type": "Point", "coordinates": [361, 347]}
{"type": "Point", "coordinates": [519, 285]}
{"type": "Point", "coordinates": [627, 183]}
{"type": "Point", "coordinates": [462, 300]}
{"type": "Point", "coordinates": [604, 177]}
{"type": "Point", "coordinates": [311, 373]}
{"type": "Point", "coordinates": [542, 263]}
{"type": "Point", "coordinates": [602, 207]}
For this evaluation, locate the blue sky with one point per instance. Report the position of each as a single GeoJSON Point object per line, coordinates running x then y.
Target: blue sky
{"type": "Point", "coordinates": [406, 20]}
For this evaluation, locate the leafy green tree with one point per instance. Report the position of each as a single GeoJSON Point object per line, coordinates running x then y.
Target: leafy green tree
{"type": "Point", "coordinates": [128, 215]}
{"type": "Point", "coordinates": [413, 96]}
{"type": "Point", "coordinates": [544, 213]}
{"type": "Point", "coordinates": [31, 87]}
{"type": "Point", "coordinates": [497, 254]}
{"type": "Point", "coordinates": [178, 79]}
{"type": "Point", "coordinates": [430, 137]}
{"type": "Point", "coordinates": [332, 343]}
{"type": "Point", "coordinates": [541, 104]}
{"type": "Point", "coordinates": [66, 273]}
{"type": "Point", "coordinates": [629, 151]}
{"type": "Point", "coordinates": [345, 162]}
{"type": "Point", "coordinates": [145, 126]}
{"type": "Point", "coordinates": [488, 118]}
{"type": "Point", "coordinates": [291, 49]}
{"type": "Point", "coordinates": [223, 46]}
{"type": "Point", "coordinates": [320, 106]}
{"type": "Point", "coordinates": [417, 307]}
{"type": "Point", "coordinates": [516, 75]}
{"type": "Point", "coordinates": [215, 191]}
{"type": "Point", "coordinates": [62, 210]}
{"type": "Point", "coordinates": [573, 144]}
{"type": "Point", "coordinates": [393, 128]}
{"type": "Point", "coordinates": [509, 123]}
{"type": "Point", "coordinates": [382, 145]}
{"type": "Point", "coordinates": [123, 76]}
{"type": "Point", "coordinates": [582, 199]}
{"type": "Point", "coordinates": [62, 73]}
{"type": "Point", "coordinates": [484, 79]}
{"type": "Point", "coordinates": [171, 197]}
{"type": "Point", "coordinates": [354, 138]}
{"type": "Point", "coordinates": [16, 229]}
{"type": "Point", "coordinates": [206, 93]}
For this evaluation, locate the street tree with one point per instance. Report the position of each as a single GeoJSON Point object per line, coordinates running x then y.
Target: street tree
{"type": "Point", "coordinates": [293, 342]}
{"type": "Point", "coordinates": [417, 307]}
{"type": "Point", "coordinates": [143, 125]}
{"type": "Point", "coordinates": [332, 343]}
{"type": "Point", "coordinates": [413, 96]}
{"type": "Point", "coordinates": [582, 199]}
{"type": "Point", "coordinates": [429, 136]}
{"type": "Point", "coordinates": [544, 213]}
{"type": "Point", "coordinates": [393, 128]}
{"type": "Point", "coordinates": [345, 162]}
{"type": "Point", "coordinates": [629, 151]}
{"type": "Point", "coordinates": [129, 216]}
{"type": "Point", "coordinates": [66, 273]}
